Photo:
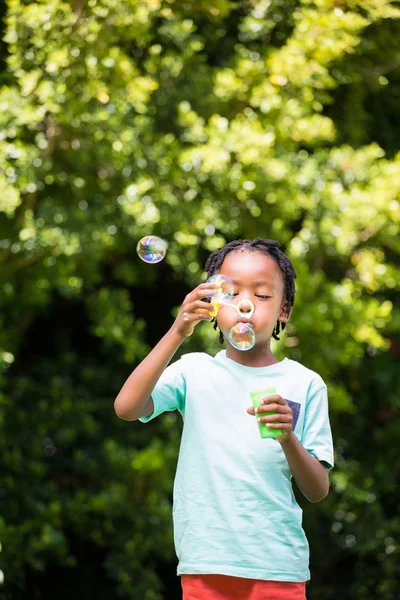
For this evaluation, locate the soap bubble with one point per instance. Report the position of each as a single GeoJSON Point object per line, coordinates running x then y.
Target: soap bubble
{"type": "Point", "coordinates": [226, 291]}
{"type": "Point", "coordinates": [151, 249]}
{"type": "Point", "coordinates": [242, 336]}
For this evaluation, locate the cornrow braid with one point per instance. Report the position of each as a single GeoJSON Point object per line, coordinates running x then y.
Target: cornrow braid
{"type": "Point", "coordinates": [272, 249]}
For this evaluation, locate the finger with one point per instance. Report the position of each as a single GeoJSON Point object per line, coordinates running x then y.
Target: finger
{"type": "Point", "coordinates": [206, 289]}
{"type": "Point", "coordinates": [282, 426]}
{"type": "Point", "coordinates": [204, 305]}
{"type": "Point", "coordinates": [263, 408]}
{"type": "Point", "coordinates": [197, 305]}
{"type": "Point", "coordinates": [208, 284]}
{"type": "Point", "coordinates": [275, 418]}
{"type": "Point", "coordinates": [277, 408]}
{"type": "Point", "coordinates": [275, 398]}
{"type": "Point", "coordinates": [201, 291]}
{"type": "Point", "coordinates": [195, 316]}
{"type": "Point", "coordinates": [206, 293]}
{"type": "Point", "coordinates": [199, 296]}
{"type": "Point", "coordinates": [251, 410]}
{"type": "Point", "coordinates": [197, 308]}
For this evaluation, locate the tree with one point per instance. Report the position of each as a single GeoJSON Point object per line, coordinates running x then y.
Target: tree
{"type": "Point", "coordinates": [200, 123]}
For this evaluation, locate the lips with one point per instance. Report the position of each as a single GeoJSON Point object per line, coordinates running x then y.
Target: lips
{"type": "Point", "coordinates": [246, 322]}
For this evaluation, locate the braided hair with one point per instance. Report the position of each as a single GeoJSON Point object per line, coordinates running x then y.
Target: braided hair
{"type": "Point", "coordinates": [270, 248]}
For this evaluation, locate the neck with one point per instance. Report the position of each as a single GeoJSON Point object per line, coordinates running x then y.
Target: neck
{"type": "Point", "coordinates": [256, 357]}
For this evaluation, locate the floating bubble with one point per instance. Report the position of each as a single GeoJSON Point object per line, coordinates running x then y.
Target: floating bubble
{"type": "Point", "coordinates": [224, 294]}
{"type": "Point", "coordinates": [242, 336]}
{"type": "Point", "coordinates": [151, 249]}
{"type": "Point", "coordinates": [226, 290]}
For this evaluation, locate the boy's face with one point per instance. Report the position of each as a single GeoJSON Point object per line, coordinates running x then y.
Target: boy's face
{"type": "Point", "coordinates": [256, 277]}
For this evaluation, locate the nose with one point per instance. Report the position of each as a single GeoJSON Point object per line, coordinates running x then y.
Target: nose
{"type": "Point", "coordinates": [245, 308]}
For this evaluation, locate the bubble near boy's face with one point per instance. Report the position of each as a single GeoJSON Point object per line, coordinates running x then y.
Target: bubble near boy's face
{"type": "Point", "coordinates": [242, 336]}
{"type": "Point", "coordinates": [226, 288]}
{"type": "Point", "coordinates": [151, 249]}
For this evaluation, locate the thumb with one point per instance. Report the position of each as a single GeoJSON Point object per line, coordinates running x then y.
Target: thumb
{"type": "Point", "coordinates": [250, 410]}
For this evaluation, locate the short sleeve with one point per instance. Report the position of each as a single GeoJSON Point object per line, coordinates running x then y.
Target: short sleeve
{"type": "Point", "coordinates": [317, 435]}
{"type": "Point", "coordinates": [169, 392]}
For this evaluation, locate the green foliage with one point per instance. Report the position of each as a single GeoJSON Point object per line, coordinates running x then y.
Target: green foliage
{"type": "Point", "coordinates": [199, 122]}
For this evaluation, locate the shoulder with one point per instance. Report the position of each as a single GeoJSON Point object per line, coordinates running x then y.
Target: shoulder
{"type": "Point", "coordinates": [191, 366]}
{"type": "Point", "coordinates": [311, 378]}
{"type": "Point", "coordinates": [193, 357]}
{"type": "Point", "coordinates": [195, 360]}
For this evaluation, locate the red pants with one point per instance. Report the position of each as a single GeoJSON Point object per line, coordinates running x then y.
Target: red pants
{"type": "Point", "coordinates": [222, 587]}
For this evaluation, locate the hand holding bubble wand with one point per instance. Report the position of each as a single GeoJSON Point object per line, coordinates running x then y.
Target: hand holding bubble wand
{"type": "Point", "coordinates": [241, 336]}
{"type": "Point", "coordinates": [152, 250]}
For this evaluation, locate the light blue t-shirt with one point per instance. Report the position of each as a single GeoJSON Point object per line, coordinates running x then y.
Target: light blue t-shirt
{"type": "Point", "coordinates": [234, 510]}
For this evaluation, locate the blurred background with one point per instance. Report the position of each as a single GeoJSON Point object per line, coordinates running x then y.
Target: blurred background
{"type": "Point", "coordinates": [199, 122]}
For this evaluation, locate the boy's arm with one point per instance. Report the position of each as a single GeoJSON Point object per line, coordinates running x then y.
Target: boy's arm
{"type": "Point", "coordinates": [310, 475]}
{"type": "Point", "coordinates": [134, 400]}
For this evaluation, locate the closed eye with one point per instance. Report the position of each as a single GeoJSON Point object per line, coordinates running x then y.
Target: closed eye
{"type": "Point", "coordinates": [261, 296]}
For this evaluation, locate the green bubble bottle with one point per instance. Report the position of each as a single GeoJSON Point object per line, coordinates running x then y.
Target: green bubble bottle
{"type": "Point", "coordinates": [256, 398]}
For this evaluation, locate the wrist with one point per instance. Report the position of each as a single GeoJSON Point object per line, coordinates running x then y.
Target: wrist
{"type": "Point", "coordinates": [176, 335]}
{"type": "Point", "coordinates": [288, 441]}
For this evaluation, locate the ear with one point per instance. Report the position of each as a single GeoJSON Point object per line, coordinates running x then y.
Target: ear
{"type": "Point", "coordinates": [284, 315]}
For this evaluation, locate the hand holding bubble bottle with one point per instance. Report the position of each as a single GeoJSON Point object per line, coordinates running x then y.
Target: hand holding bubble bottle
{"type": "Point", "coordinates": [241, 336]}
{"type": "Point", "coordinates": [256, 398]}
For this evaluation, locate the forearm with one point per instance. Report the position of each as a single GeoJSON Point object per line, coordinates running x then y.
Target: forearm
{"type": "Point", "coordinates": [310, 475]}
{"type": "Point", "coordinates": [130, 404]}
